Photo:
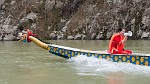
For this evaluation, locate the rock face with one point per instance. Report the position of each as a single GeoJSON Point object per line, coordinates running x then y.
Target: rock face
{"type": "Point", "coordinates": [1, 2]}
{"type": "Point", "coordinates": [73, 19]}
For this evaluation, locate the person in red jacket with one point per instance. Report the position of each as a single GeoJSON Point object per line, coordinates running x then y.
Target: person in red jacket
{"type": "Point", "coordinates": [116, 44]}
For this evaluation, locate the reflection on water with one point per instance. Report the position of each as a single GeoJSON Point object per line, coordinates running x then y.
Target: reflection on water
{"type": "Point", "coordinates": [26, 63]}
{"type": "Point", "coordinates": [117, 80]}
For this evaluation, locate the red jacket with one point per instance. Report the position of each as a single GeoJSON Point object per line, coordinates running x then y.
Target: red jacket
{"type": "Point", "coordinates": [116, 46]}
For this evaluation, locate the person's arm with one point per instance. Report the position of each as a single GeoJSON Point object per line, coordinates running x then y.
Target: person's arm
{"type": "Point", "coordinates": [114, 49]}
{"type": "Point", "coordinates": [116, 41]}
{"type": "Point", "coordinates": [125, 38]}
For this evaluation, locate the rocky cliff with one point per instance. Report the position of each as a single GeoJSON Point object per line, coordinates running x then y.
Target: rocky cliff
{"type": "Point", "coordinates": [72, 19]}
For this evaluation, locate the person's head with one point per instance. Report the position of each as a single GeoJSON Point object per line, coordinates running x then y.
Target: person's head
{"type": "Point", "coordinates": [121, 30]}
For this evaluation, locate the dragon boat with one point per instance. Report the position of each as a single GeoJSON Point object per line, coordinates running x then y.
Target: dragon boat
{"type": "Point", "coordinates": [68, 52]}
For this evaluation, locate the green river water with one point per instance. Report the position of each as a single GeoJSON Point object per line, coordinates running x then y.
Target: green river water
{"type": "Point", "coordinates": [27, 63]}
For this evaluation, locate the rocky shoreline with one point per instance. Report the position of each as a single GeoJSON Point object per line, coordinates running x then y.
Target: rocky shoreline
{"type": "Point", "coordinates": [73, 19]}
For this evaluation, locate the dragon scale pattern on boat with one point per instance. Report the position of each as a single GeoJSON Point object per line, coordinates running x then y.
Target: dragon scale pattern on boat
{"type": "Point", "coordinates": [67, 52]}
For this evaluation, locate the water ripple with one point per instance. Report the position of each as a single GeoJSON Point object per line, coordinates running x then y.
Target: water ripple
{"type": "Point", "coordinates": [93, 66]}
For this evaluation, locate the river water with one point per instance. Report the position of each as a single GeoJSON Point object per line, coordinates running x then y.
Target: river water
{"type": "Point", "coordinates": [26, 63]}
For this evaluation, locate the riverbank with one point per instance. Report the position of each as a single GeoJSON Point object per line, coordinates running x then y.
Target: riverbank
{"type": "Point", "coordinates": [73, 19]}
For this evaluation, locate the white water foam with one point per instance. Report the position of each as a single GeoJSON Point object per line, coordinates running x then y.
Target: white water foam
{"type": "Point", "coordinates": [94, 66]}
